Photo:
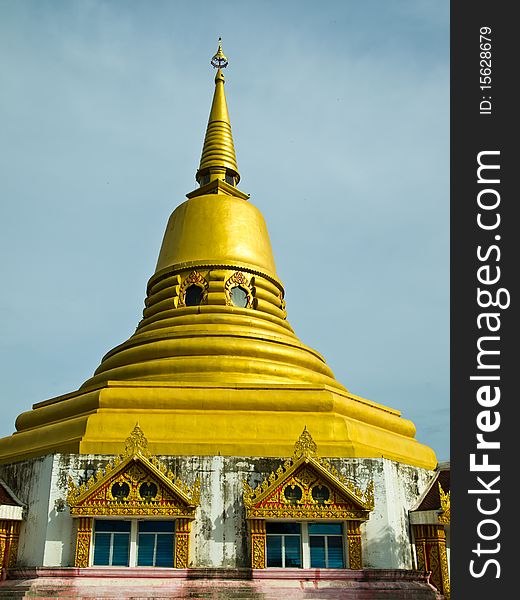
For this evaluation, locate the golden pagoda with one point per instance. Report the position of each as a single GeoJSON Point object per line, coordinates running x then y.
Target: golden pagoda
{"type": "Point", "coordinates": [214, 367]}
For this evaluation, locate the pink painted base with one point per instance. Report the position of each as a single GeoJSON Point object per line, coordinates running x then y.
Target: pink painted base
{"type": "Point", "coordinates": [217, 584]}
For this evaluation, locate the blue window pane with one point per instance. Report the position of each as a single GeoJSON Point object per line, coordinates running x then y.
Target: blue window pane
{"type": "Point", "coordinates": [157, 526]}
{"type": "Point", "coordinates": [283, 528]}
{"type": "Point", "coordinates": [121, 546]}
{"type": "Point", "coordinates": [164, 551]}
{"type": "Point", "coordinates": [146, 543]}
{"type": "Point", "coordinates": [317, 545]}
{"type": "Point", "coordinates": [325, 528]}
{"type": "Point", "coordinates": [102, 549]}
{"type": "Point", "coordinates": [112, 525]}
{"type": "Point", "coordinates": [335, 552]}
{"type": "Point", "coordinates": [274, 550]}
{"type": "Point", "coordinates": [292, 551]}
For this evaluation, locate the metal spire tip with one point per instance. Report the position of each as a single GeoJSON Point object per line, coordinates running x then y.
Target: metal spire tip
{"type": "Point", "coordinates": [219, 60]}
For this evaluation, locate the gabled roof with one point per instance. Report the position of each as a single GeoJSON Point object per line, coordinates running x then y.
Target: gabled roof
{"type": "Point", "coordinates": [431, 497]}
{"type": "Point", "coordinates": [7, 496]}
{"type": "Point", "coordinates": [11, 507]}
{"type": "Point", "coordinates": [435, 501]}
{"type": "Point", "coordinates": [134, 483]}
{"type": "Point", "coordinates": [308, 487]}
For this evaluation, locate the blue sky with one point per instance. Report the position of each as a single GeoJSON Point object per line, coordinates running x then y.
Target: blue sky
{"type": "Point", "coordinates": [340, 115]}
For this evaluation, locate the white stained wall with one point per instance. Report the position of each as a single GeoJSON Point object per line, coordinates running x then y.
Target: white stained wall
{"type": "Point", "coordinates": [31, 482]}
{"type": "Point", "coordinates": [386, 538]}
{"type": "Point", "coordinates": [219, 533]}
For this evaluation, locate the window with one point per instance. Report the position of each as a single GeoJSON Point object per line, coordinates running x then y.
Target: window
{"type": "Point", "coordinates": [293, 494]}
{"type": "Point", "coordinates": [131, 543]}
{"type": "Point", "coordinates": [284, 545]}
{"type": "Point", "coordinates": [307, 545]}
{"type": "Point", "coordinates": [326, 545]}
{"type": "Point", "coordinates": [193, 295]}
{"type": "Point", "coordinates": [112, 543]}
{"type": "Point", "coordinates": [320, 493]}
{"type": "Point", "coordinates": [239, 296]}
{"type": "Point", "coordinates": [120, 491]}
{"type": "Point", "coordinates": [155, 544]}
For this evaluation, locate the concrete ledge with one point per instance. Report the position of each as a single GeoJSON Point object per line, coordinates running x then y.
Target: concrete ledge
{"type": "Point", "coordinates": [218, 584]}
{"type": "Point", "coordinates": [210, 573]}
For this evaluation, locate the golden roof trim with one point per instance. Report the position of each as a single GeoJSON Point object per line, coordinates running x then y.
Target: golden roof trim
{"type": "Point", "coordinates": [305, 452]}
{"type": "Point", "coordinates": [136, 450]}
{"type": "Point", "coordinates": [445, 514]}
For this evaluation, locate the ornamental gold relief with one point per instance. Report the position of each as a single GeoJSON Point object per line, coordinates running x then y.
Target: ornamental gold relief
{"type": "Point", "coordinates": [13, 553]}
{"type": "Point", "coordinates": [258, 558]}
{"type": "Point", "coordinates": [243, 283]}
{"type": "Point", "coordinates": [307, 487]}
{"type": "Point", "coordinates": [282, 304]}
{"type": "Point", "coordinates": [354, 553]}
{"type": "Point", "coordinates": [82, 551]}
{"type": "Point", "coordinates": [421, 556]}
{"type": "Point", "coordinates": [182, 542]}
{"type": "Point", "coordinates": [445, 515]}
{"type": "Point", "coordinates": [294, 513]}
{"type": "Point", "coordinates": [445, 575]}
{"type": "Point", "coordinates": [134, 484]}
{"type": "Point", "coordinates": [197, 279]}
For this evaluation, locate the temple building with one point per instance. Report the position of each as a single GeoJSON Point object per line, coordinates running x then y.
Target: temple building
{"type": "Point", "coordinates": [213, 449]}
{"type": "Point", "coordinates": [430, 522]}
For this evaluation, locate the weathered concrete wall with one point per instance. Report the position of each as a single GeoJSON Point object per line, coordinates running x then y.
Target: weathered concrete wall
{"type": "Point", "coordinates": [219, 533]}
{"type": "Point", "coordinates": [386, 538]}
{"type": "Point", "coordinates": [31, 482]}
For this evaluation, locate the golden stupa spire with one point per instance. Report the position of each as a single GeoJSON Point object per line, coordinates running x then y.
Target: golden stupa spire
{"type": "Point", "coordinates": [218, 160]}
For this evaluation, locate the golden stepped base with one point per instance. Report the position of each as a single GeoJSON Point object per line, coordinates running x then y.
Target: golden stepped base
{"type": "Point", "coordinates": [205, 419]}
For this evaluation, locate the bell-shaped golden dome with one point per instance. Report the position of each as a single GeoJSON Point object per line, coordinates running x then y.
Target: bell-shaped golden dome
{"type": "Point", "coordinates": [215, 241]}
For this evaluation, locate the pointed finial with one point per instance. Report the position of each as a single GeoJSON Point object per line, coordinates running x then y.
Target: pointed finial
{"type": "Point", "coordinates": [219, 60]}
{"type": "Point", "coordinates": [305, 446]}
{"type": "Point", "coordinates": [218, 160]}
{"type": "Point", "coordinates": [136, 442]}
